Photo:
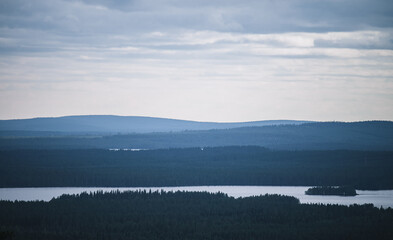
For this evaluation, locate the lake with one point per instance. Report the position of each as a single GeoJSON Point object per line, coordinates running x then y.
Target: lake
{"type": "Point", "coordinates": [380, 198]}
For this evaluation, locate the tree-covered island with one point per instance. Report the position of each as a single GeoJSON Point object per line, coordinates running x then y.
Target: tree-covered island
{"type": "Point", "coordinates": [332, 190]}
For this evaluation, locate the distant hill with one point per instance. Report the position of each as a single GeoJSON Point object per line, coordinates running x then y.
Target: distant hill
{"type": "Point", "coordinates": [371, 135]}
{"type": "Point", "coordinates": [108, 124]}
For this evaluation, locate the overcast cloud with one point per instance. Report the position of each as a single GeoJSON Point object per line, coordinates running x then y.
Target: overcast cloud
{"type": "Point", "coordinates": [200, 60]}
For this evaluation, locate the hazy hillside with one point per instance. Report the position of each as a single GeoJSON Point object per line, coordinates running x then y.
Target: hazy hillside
{"type": "Point", "coordinates": [115, 124]}
{"type": "Point", "coordinates": [373, 135]}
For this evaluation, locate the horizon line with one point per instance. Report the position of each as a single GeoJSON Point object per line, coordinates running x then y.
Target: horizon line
{"type": "Point", "coordinates": [188, 120]}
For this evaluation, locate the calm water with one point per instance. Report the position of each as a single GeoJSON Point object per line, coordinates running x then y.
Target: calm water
{"type": "Point", "coordinates": [378, 198]}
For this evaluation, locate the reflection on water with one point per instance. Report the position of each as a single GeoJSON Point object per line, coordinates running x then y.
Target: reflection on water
{"type": "Point", "coordinates": [378, 198]}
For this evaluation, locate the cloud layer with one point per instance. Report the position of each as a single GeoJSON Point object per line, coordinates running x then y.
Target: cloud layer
{"type": "Point", "coordinates": [204, 60]}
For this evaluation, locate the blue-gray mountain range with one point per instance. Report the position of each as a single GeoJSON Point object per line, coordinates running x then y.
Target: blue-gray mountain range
{"type": "Point", "coordinates": [106, 132]}
{"type": "Point", "coordinates": [121, 124]}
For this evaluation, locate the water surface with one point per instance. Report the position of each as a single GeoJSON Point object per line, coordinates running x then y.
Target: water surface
{"type": "Point", "coordinates": [380, 198]}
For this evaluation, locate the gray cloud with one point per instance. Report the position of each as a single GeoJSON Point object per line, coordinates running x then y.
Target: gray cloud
{"type": "Point", "coordinates": [262, 16]}
{"type": "Point", "coordinates": [107, 16]}
{"type": "Point", "coordinates": [155, 52]}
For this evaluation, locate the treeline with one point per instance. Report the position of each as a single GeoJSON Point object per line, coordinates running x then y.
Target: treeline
{"type": "Point", "coordinates": [375, 135]}
{"type": "Point", "coordinates": [189, 215]}
{"type": "Point", "coordinates": [195, 166]}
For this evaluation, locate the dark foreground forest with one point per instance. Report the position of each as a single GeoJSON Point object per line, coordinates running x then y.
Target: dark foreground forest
{"type": "Point", "coordinates": [182, 215]}
{"type": "Point", "coordinates": [195, 166]}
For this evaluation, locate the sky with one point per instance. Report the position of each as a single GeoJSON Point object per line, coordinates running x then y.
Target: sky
{"type": "Point", "coordinates": [205, 60]}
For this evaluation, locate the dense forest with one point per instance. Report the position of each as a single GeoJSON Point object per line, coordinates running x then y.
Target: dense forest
{"type": "Point", "coordinates": [195, 166]}
{"type": "Point", "coordinates": [374, 135]}
{"type": "Point", "coordinates": [187, 215]}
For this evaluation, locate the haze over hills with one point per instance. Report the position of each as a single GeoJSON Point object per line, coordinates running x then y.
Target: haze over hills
{"type": "Point", "coordinates": [109, 124]}
{"type": "Point", "coordinates": [372, 135]}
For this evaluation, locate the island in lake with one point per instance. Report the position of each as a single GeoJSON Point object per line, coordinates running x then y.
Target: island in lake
{"type": "Point", "coordinates": [332, 190]}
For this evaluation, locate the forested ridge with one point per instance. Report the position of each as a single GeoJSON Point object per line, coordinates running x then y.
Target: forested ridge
{"type": "Point", "coordinates": [373, 135]}
{"type": "Point", "coordinates": [196, 166]}
{"type": "Point", "coordinates": [188, 215]}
